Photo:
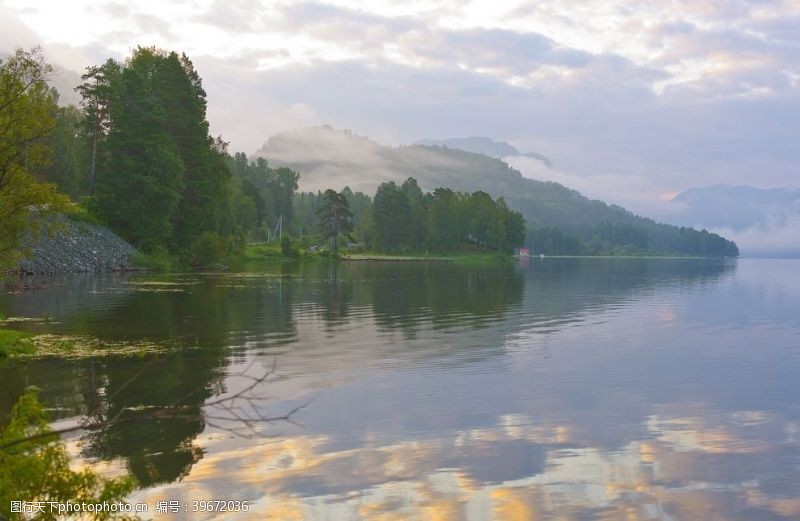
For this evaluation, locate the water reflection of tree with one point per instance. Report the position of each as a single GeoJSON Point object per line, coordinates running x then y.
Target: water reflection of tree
{"type": "Point", "coordinates": [405, 296]}
{"type": "Point", "coordinates": [333, 292]}
{"type": "Point", "coordinates": [157, 449]}
{"type": "Point", "coordinates": [208, 315]}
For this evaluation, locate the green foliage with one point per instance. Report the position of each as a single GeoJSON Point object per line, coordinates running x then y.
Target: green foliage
{"type": "Point", "coordinates": [272, 193]}
{"type": "Point", "coordinates": [262, 250]}
{"type": "Point", "coordinates": [27, 108]}
{"type": "Point", "coordinates": [210, 248]}
{"type": "Point", "coordinates": [359, 203]}
{"type": "Point", "coordinates": [404, 219]}
{"type": "Point", "coordinates": [14, 343]}
{"type": "Point", "coordinates": [68, 166]}
{"type": "Point", "coordinates": [542, 204]}
{"type": "Point", "coordinates": [161, 179]}
{"type": "Point", "coordinates": [288, 248]}
{"type": "Point", "coordinates": [305, 211]}
{"type": "Point", "coordinates": [141, 186]}
{"type": "Point", "coordinates": [39, 469]}
{"type": "Point", "coordinates": [552, 241]}
{"type": "Point", "coordinates": [334, 217]}
{"type": "Point", "coordinates": [417, 228]}
{"type": "Point", "coordinates": [80, 213]}
{"type": "Point", "coordinates": [391, 214]}
{"type": "Point", "coordinates": [157, 259]}
{"type": "Point", "coordinates": [97, 92]}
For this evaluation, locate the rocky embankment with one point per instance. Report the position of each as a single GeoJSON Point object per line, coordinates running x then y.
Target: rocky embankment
{"type": "Point", "coordinates": [78, 247]}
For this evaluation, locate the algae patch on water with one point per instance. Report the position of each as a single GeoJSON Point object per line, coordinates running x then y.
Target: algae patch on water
{"type": "Point", "coordinates": [23, 345]}
{"type": "Point", "coordinates": [15, 343]}
{"type": "Point", "coordinates": [154, 286]}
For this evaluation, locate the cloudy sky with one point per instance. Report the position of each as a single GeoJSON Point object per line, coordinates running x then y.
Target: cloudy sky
{"type": "Point", "coordinates": [634, 101]}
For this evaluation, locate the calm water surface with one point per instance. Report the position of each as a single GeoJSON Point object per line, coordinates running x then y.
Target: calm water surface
{"type": "Point", "coordinates": [556, 388]}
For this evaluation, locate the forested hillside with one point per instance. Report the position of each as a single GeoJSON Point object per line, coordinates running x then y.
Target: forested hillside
{"type": "Point", "coordinates": [559, 220]}
{"type": "Point", "coordinates": [137, 156]}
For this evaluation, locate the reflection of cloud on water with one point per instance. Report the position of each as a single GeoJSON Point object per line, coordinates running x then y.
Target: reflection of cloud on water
{"type": "Point", "coordinates": [694, 464]}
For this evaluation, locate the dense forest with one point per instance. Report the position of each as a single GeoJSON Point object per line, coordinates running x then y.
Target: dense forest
{"type": "Point", "coordinates": [559, 220]}
{"type": "Point", "coordinates": [137, 156]}
{"type": "Point", "coordinates": [401, 218]}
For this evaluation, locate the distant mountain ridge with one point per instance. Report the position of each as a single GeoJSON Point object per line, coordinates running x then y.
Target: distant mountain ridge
{"type": "Point", "coordinates": [485, 146]}
{"type": "Point", "coordinates": [330, 158]}
{"type": "Point", "coordinates": [736, 207]}
{"type": "Point", "coordinates": [765, 222]}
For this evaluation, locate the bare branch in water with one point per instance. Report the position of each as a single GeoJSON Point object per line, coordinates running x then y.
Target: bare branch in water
{"type": "Point", "coordinates": [237, 413]}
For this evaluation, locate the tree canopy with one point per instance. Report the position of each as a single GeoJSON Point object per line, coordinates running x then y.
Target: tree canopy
{"type": "Point", "coordinates": [27, 116]}
{"type": "Point", "coordinates": [335, 217]}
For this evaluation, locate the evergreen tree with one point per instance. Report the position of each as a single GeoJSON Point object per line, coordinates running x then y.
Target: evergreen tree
{"type": "Point", "coordinates": [97, 91]}
{"type": "Point", "coordinates": [205, 178]}
{"type": "Point", "coordinates": [67, 167]}
{"type": "Point", "coordinates": [445, 221]}
{"type": "Point", "coordinates": [391, 214]}
{"type": "Point", "coordinates": [335, 217]}
{"type": "Point", "coordinates": [142, 183]}
{"type": "Point", "coordinates": [282, 185]}
{"type": "Point", "coordinates": [418, 214]}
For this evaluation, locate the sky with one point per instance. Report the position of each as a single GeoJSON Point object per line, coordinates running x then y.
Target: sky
{"type": "Point", "coordinates": [634, 101]}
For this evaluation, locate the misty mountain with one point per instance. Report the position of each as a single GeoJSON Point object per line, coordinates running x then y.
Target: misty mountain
{"type": "Point", "coordinates": [65, 81]}
{"type": "Point", "coordinates": [765, 222]}
{"type": "Point", "coordinates": [485, 146]}
{"type": "Point", "coordinates": [329, 158]}
{"type": "Point", "coordinates": [735, 207]}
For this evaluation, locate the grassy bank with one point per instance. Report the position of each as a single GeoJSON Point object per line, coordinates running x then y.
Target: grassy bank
{"type": "Point", "coordinates": [275, 251]}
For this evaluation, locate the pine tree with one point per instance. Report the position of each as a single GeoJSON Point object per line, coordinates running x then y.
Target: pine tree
{"type": "Point", "coordinates": [391, 214]}
{"type": "Point", "coordinates": [142, 183]}
{"type": "Point", "coordinates": [335, 217]}
{"type": "Point", "coordinates": [97, 92]}
{"type": "Point", "coordinates": [205, 178]}
{"type": "Point", "coordinates": [418, 214]}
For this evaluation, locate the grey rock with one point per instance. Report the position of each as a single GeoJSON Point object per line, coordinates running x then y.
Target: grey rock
{"type": "Point", "coordinates": [77, 247]}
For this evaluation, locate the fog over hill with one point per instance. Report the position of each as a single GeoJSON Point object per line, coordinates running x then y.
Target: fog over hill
{"type": "Point", "coordinates": [486, 146]}
{"type": "Point", "coordinates": [764, 222]}
{"type": "Point", "coordinates": [330, 158]}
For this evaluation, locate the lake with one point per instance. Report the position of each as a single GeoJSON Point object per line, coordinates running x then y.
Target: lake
{"type": "Point", "coordinates": [569, 388]}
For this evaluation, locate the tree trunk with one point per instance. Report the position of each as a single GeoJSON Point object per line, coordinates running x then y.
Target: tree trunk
{"type": "Point", "coordinates": [93, 163]}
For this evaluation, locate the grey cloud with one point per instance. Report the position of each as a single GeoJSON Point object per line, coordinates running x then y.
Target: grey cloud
{"type": "Point", "coordinates": [509, 51]}
{"type": "Point", "coordinates": [503, 50]}
{"type": "Point", "coordinates": [153, 24]}
{"type": "Point", "coordinates": [232, 15]}
{"type": "Point", "coordinates": [15, 33]}
{"type": "Point", "coordinates": [675, 27]}
{"type": "Point", "coordinates": [782, 29]}
{"type": "Point", "coordinates": [115, 9]}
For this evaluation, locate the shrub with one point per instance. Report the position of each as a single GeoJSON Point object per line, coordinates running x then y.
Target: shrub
{"type": "Point", "coordinates": [288, 248]}
{"type": "Point", "coordinates": [38, 469]}
{"type": "Point", "coordinates": [210, 248]}
{"type": "Point", "coordinates": [158, 259]}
